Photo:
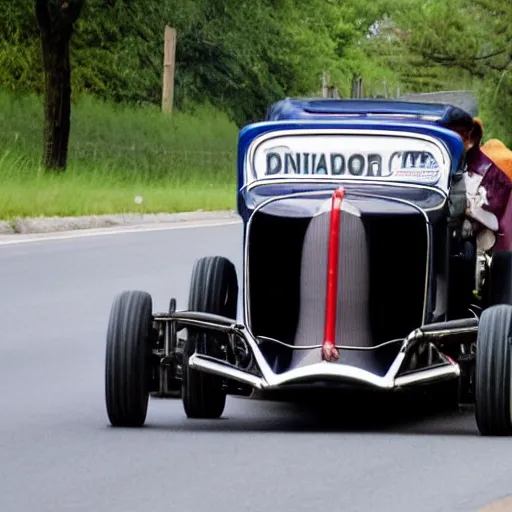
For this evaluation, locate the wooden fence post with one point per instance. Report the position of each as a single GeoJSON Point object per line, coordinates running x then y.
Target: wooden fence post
{"type": "Point", "coordinates": [325, 84]}
{"type": "Point", "coordinates": [357, 88]}
{"type": "Point", "coordinates": [169, 67]}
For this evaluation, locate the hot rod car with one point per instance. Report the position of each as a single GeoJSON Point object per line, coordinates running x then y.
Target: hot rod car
{"type": "Point", "coordinates": [356, 272]}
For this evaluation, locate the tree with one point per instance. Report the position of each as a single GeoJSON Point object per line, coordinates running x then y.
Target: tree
{"type": "Point", "coordinates": [474, 35]}
{"type": "Point", "coordinates": [56, 20]}
{"type": "Point", "coordinates": [471, 39]}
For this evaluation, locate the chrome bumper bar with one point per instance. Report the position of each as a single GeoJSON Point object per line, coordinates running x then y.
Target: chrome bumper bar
{"type": "Point", "coordinates": [323, 371]}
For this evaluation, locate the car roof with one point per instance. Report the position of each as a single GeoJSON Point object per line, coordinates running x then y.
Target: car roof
{"type": "Point", "coordinates": [322, 108]}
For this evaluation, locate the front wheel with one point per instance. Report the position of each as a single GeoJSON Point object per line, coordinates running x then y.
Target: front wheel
{"type": "Point", "coordinates": [493, 378]}
{"type": "Point", "coordinates": [127, 366]}
{"type": "Point", "coordinates": [213, 289]}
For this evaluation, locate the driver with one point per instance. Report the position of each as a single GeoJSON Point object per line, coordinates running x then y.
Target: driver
{"type": "Point", "coordinates": [488, 185]}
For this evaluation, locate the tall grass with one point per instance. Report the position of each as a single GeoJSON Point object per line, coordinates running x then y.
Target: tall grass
{"type": "Point", "coordinates": [181, 162]}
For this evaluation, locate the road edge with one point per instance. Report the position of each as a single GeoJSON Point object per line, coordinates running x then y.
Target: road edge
{"type": "Point", "coordinates": [37, 225]}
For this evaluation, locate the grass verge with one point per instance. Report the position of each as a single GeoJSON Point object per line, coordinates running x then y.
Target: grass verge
{"type": "Point", "coordinates": [181, 163]}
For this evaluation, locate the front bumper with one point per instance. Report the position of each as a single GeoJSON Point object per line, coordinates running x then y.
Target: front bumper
{"type": "Point", "coordinates": [260, 375]}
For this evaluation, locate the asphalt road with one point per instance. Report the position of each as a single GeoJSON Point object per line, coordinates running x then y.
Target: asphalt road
{"type": "Point", "coordinates": [57, 452]}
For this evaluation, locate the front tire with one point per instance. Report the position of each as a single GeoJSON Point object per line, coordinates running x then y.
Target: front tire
{"type": "Point", "coordinates": [127, 368]}
{"type": "Point", "coordinates": [213, 289]}
{"type": "Point", "coordinates": [493, 379]}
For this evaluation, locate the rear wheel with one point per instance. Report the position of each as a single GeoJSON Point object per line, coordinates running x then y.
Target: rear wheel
{"type": "Point", "coordinates": [493, 378]}
{"type": "Point", "coordinates": [213, 289]}
{"type": "Point", "coordinates": [127, 365]}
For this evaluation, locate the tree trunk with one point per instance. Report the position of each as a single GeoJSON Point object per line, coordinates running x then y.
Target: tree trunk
{"type": "Point", "coordinates": [57, 102]}
{"type": "Point", "coordinates": [55, 19]}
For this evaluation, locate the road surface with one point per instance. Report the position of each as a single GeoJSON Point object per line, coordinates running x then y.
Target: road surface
{"type": "Point", "coordinates": [57, 452]}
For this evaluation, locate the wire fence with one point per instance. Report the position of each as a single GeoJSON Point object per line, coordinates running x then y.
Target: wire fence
{"type": "Point", "coordinates": [155, 158]}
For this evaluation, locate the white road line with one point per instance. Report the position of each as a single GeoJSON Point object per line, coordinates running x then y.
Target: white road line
{"type": "Point", "coordinates": [68, 235]}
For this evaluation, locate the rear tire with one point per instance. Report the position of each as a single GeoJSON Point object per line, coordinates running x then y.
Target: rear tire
{"type": "Point", "coordinates": [213, 289]}
{"type": "Point", "coordinates": [127, 368]}
{"type": "Point", "coordinates": [493, 406]}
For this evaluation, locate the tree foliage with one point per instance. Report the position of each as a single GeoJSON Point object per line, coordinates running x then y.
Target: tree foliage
{"type": "Point", "coordinates": [237, 56]}
{"type": "Point", "coordinates": [470, 42]}
{"type": "Point", "coordinates": [240, 56]}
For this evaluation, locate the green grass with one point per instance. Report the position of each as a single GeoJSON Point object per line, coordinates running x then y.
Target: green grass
{"type": "Point", "coordinates": [182, 162]}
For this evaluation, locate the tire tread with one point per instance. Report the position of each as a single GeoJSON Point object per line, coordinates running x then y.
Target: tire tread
{"type": "Point", "coordinates": [126, 378]}
{"type": "Point", "coordinates": [202, 393]}
{"type": "Point", "coordinates": [493, 367]}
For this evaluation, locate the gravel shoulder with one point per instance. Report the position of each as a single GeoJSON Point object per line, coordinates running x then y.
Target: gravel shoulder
{"type": "Point", "coordinates": [57, 224]}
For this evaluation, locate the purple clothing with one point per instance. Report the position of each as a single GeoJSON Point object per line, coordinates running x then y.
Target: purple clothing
{"type": "Point", "coordinates": [498, 189]}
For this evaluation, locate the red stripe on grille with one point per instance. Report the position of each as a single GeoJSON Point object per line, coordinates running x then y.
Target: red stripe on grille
{"type": "Point", "coordinates": [329, 351]}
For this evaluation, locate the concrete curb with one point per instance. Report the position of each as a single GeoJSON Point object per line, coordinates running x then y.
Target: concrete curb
{"type": "Point", "coordinates": [56, 224]}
